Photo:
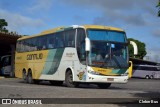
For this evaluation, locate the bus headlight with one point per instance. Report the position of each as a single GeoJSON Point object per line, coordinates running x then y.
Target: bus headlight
{"type": "Point", "coordinates": [94, 72]}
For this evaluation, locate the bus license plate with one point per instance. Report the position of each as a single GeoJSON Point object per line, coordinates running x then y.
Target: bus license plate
{"type": "Point", "coordinates": [110, 79]}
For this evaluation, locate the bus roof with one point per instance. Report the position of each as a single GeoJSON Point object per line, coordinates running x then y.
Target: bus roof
{"type": "Point", "coordinates": [62, 28]}
{"type": "Point", "coordinates": [102, 27]}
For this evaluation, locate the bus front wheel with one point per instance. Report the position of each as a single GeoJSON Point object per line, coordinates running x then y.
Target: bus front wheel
{"type": "Point", "coordinates": [147, 77]}
{"type": "Point", "coordinates": [104, 85]}
{"type": "Point", "coordinates": [69, 80]}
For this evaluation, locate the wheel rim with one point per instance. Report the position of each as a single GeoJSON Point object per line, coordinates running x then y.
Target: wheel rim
{"type": "Point", "coordinates": [29, 78]}
{"type": "Point", "coordinates": [24, 75]}
{"type": "Point", "coordinates": [70, 79]}
{"type": "Point", "coordinates": [147, 77]}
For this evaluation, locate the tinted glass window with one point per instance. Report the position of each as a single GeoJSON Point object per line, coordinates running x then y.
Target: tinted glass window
{"type": "Point", "coordinates": [42, 44]}
{"type": "Point", "coordinates": [59, 40]}
{"type": "Point", "coordinates": [70, 38]}
{"type": "Point", "coordinates": [107, 35]}
{"type": "Point", "coordinates": [18, 46]}
{"type": "Point", "coordinates": [33, 44]}
{"type": "Point", "coordinates": [56, 40]}
{"type": "Point", "coordinates": [51, 41]}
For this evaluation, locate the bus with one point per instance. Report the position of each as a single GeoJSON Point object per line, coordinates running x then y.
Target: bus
{"type": "Point", "coordinates": [74, 55]}
{"type": "Point", "coordinates": [146, 71]}
{"type": "Point", "coordinates": [5, 65]}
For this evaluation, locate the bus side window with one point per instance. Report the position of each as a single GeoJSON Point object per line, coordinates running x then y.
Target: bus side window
{"type": "Point", "coordinates": [44, 42]}
{"type": "Point", "coordinates": [70, 38]}
{"type": "Point", "coordinates": [51, 41]}
{"type": "Point", "coordinates": [27, 45]}
{"type": "Point", "coordinates": [18, 46]}
{"type": "Point", "coordinates": [41, 43]}
{"type": "Point", "coordinates": [34, 44]}
{"type": "Point", "coordinates": [22, 46]}
{"type": "Point", "coordinates": [59, 40]}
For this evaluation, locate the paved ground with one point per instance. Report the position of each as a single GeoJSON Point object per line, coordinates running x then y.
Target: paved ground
{"type": "Point", "coordinates": [135, 88]}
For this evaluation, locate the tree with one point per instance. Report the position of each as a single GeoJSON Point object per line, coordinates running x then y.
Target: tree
{"type": "Point", "coordinates": [3, 23]}
{"type": "Point", "coordinates": [141, 49]}
{"type": "Point", "coordinates": [158, 6]}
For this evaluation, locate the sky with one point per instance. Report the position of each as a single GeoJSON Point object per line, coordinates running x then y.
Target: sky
{"type": "Point", "coordinates": [137, 17]}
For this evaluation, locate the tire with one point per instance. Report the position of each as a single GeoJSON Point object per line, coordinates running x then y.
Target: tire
{"type": "Point", "coordinates": [104, 85]}
{"type": "Point", "coordinates": [56, 83]}
{"type": "Point", "coordinates": [24, 76]}
{"type": "Point", "coordinates": [29, 78]}
{"type": "Point", "coordinates": [69, 80]}
{"type": "Point", "coordinates": [151, 77]}
{"type": "Point", "coordinates": [147, 77]}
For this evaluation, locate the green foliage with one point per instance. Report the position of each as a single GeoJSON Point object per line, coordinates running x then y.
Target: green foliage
{"type": "Point", "coordinates": [159, 13]}
{"type": "Point", "coordinates": [141, 49]}
{"type": "Point", "coordinates": [158, 6]}
{"type": "Point", "coordinates": [3, 23]}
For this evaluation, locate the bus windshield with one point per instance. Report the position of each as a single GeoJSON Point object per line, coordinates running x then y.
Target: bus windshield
{"type": "Point", "coordinates": [108, 49]}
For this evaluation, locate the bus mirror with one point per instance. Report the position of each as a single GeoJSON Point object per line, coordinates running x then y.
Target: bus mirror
{"type": "Point", "coordinates": [88, 44]}
{"type": "Point", "coordinates": [129, 64]}
{"type": "Point", "coordinates": [134, 47]}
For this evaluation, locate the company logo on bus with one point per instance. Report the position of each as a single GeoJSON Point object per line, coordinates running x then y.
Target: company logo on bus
{"type": "Point", "coordinates": [70, 54]}
{"type": "Point", "coordinates": [34, 56]}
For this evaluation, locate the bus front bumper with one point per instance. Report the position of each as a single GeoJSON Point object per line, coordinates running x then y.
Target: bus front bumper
{"type": "Point", "coordinates": [106, 79]}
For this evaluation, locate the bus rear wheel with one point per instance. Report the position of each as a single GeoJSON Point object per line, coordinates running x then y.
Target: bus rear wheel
{"type": "Point", "coordinates": [69, 80]}
{"type": "Point", "coordinates": [151, 77]}
{"type": "Point", "coordinates": [24, 76]}
{"type": "Point", "coordinates": [104, 85]}
{"type": "Point", "coordinates": [30, 79]}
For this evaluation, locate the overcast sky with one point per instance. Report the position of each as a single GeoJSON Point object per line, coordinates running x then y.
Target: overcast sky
{"type": "Point", "coordinates": [137, 17]}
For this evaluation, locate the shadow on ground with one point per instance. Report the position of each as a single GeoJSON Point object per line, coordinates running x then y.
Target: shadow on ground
{"type": "Point", "coordinates": [82, 86]}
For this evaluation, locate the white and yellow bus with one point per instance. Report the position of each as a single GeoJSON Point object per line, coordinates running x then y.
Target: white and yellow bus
{"type": "Point", "coordinates": [73, 55]}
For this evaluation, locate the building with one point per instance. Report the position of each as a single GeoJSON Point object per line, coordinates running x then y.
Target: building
{"type": "Point", "coordinates": [7, 46]}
